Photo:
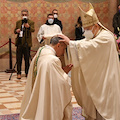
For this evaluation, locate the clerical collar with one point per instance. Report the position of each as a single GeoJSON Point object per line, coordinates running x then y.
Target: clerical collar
{"type": "Point", "coordinates": [47, 46]}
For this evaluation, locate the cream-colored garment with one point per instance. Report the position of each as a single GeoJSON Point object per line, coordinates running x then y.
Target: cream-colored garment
{"type": "Point", "coordinates": [46, 41]}
{"type": "Point", "coordinates": [50, 98]}
{"type": "Point", "coordinates": [48, 31]}
{"type": "Point", "coordinates": [96, 75]}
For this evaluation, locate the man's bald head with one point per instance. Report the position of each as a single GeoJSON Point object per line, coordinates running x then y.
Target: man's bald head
{"type": "Point", "coordinates": [58, 46]}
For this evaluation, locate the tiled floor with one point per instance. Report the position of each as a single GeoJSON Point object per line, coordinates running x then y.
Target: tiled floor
{"type": "Point", "coordinates": [11, 93]}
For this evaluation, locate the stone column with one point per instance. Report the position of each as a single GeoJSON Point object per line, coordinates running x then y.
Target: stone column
{"type": "Point", "coordinates": [112, 10]}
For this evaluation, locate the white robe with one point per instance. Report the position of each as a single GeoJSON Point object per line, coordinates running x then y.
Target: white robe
{"type": "Point", "coordinates": [48, 31]}
{"type": "Point", "coordinates": [96, 75]}
{"type": "Point", "coordinates": [48, 96]}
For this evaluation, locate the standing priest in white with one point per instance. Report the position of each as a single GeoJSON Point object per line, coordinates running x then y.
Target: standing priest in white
{"type": "Point", "coordinates": [48, 30]}
{"type": "Point", "coordinates": [47, 94]}
{"type": "Point", "coordinates": [96, 70]}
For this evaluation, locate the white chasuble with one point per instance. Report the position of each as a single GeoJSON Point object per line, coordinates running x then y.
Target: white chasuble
{"type": "Point", "coordinates": [96, 75]}
{"type": "Point", "coordinates": [47, 96]}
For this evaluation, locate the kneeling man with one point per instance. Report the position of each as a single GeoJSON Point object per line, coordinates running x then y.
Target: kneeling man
{"type": "Point", "coordinates": [47, 94]}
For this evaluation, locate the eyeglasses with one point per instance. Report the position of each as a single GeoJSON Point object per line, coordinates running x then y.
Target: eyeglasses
{"type": "Point", "coordinates": [50, 18]}
{"type": "Point", "coordinates": [24, 14]}
{"type": "Point", "coordinates": [55, 13]}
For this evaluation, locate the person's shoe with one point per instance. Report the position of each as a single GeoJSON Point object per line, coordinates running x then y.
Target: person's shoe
{"type": "Point", "coordinates": [26, 75]}
{"type": "Point", "coordinates": [18, 76]}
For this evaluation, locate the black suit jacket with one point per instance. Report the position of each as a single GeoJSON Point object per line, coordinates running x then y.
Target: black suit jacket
{"type": "Point", "coordinates": [27, 36]}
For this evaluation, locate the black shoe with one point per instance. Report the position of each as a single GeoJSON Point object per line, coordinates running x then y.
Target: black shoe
{"type": "Point", "coordinates": [26, 75]}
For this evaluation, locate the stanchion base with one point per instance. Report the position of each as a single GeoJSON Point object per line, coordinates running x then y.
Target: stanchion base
{"type": "Point", "coordinates": [10, 71]}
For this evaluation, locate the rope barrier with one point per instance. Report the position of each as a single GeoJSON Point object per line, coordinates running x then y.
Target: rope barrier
{"type": "Point", "coordinates": [10, 55]}
{"type": "Point", "coordinates": [33, 50]}
{"type": "Point", "coordinates": [30, 50]}
{"type": "Point", "coordinates": [4, 44]}
{"type": "Point", "coordinates": [14, 44]}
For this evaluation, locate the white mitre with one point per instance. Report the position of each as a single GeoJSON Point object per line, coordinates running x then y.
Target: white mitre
{"type": "Point", "coordinates": [90, 18]}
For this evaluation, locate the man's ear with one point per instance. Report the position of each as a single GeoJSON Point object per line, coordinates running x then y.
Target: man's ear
{"type": "Point", "coordinates": [58, 44]}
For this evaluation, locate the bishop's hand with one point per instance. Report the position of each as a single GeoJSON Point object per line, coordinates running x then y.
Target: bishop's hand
{"type": "Point", "coordinates": [64, 39]}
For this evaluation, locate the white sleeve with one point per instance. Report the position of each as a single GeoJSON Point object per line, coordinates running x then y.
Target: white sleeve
{"type": "Point", "coordinates": [60, 31]}
{"type": "Point", "coordinates": [74, 53]}
{"type": "Point", "coordinates": [40, 34]}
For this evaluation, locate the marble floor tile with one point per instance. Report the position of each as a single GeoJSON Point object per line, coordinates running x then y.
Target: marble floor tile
{"type": "Point", "coordinates": [11, 93]}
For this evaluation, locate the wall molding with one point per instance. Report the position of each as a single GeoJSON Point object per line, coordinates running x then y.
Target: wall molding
{"type": "Point", "coordinates": [57, 1]}
{"type": "Point", "coordinates": [20, 0]}
{"type": "Point", "coordinates": [93, 1]}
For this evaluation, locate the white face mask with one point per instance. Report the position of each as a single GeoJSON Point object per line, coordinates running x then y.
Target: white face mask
{"type": "Point", "coordinates": [89, 34]}
{"type": "Point", "coordinates": [24, 17]}
{"type": "Point", "coordinates": [50, 21]}
{"type": "Point", "coordinates": [55, 15]}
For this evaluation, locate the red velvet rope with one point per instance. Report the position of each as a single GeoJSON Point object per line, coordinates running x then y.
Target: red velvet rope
{"type": "Point", "coordinates": [14, 44]}
{"type": "Point", "coordinates": [4, 44]}
{"type": "Point", "coordinates": [33, 50]}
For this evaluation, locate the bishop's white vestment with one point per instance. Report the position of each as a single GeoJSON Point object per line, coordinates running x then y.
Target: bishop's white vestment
{"type": "Point", "coordinates": [96, 75]}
